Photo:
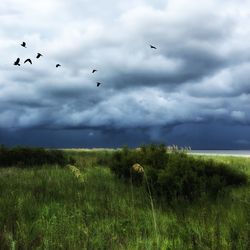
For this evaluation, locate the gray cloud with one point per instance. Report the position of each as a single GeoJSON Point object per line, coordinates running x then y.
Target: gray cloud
{"type": "Point", "coordinates": [198, 74]}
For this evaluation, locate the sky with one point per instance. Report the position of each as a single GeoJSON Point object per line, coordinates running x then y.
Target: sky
{"type": "Point", "coordinates": [193, 90]}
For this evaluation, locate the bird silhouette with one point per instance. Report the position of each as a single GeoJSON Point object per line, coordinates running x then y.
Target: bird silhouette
{"type": "Point", "coordinates": [94, 70]}
{"type": "Point", "coordinates": [23, 44]}
{"type": "Point", "coordinates": [17, 62]}
{"type": "Point", "coordinates": [28, 60]}
{"type": "Point", "coordinates": [98, 84]}
{"type": "Point", "coordinates": [39, 55]}
{"type": "Point", "coordinates": [152, 47]}
{"type": "Point", "coordinates": [58, 65]}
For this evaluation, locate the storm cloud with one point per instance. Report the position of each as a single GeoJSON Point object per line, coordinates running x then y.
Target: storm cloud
{"type": "Point", "coordinates": [193, 87]}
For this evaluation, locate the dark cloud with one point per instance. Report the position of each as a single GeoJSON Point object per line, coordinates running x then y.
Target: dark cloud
{"type": "Point", "coordinates": [198, 136]}
{"type": "Point", "coordinates": [197, 78]}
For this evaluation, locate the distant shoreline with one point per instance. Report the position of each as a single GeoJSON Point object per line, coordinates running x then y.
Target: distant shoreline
{"type": "Point", "coordinates": [235, 153]}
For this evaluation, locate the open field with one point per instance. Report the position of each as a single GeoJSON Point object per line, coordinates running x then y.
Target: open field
{"type": "Point", "coordinates": [63, 208]}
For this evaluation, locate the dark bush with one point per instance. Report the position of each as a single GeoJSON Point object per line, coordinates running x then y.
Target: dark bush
{"type": "Point", "coordinates": [71, 160]}
{"type": "Point", "coordinates": [25, 157]}
{"type": "Point", "coordinates": [176, 174]}
{"type": "Point", "coordinates": [122, 161]}
{"type": "Point", "coordinates": [103, 158]}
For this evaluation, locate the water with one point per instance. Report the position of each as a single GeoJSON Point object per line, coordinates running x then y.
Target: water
{"type": "Point", "coordinates": [242, 153]}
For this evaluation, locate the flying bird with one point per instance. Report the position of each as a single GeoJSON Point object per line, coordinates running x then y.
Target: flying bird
{"type": "Point", "coordinates": [152, 47]}
{"type": "Point", "coordinates": [28, 60]}
{"type": "Point", "coordinates": [98, 84]}
{"type": "Point", "coordinates": [58, 65]}
{"type": "Point", "coordinates": [17, 62]}
{"type": "Point", "coordinates": [39, 55]}
{"type": "Point", "coordinates": [23, 44]}
{"type": "Point", "coordinates": [94, 70]}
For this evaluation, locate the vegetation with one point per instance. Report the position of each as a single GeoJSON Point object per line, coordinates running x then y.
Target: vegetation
{"type": "Point", "coordinates": [176, 174]}
{"type": "Point", "coordinates": [86, 206]}
{"type": "Point", "coordinates": [26, 157]}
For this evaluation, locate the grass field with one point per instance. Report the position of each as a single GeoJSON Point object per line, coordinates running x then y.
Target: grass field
{"type": "Point", "coordinates": [89, 208]}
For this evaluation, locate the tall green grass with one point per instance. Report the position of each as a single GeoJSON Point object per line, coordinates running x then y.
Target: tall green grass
{"type": "Point", "coordinates": [49, 208]}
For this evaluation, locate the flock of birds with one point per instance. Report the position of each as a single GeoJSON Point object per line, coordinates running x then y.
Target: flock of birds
{"type": "Point", "coordinates": [23, 44]}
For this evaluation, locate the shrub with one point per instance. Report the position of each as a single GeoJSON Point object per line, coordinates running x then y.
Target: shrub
{"type": "Point", "coordinates": [25, 157]}
{"type": "Point", "coordinates": [176, 174]}
{"type": "Point", "coordinates": [122, 161]}
{"type": "Point", "coordinates": [103, 158]}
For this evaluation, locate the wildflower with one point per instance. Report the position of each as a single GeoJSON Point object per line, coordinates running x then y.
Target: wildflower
{"type": "Point", "coordinates": [76, 172]}
{"type": "Point", "coordinates": [137, 168]}
{"type": "Point", "coordinates": [136, 173]}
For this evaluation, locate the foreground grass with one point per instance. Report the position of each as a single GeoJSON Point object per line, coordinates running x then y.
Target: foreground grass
{"type": "Point", "coordinates": [50, 208]}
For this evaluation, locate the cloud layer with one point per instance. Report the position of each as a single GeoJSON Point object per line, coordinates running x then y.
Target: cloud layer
{"type": "Point", "coordinates": [199, 73]}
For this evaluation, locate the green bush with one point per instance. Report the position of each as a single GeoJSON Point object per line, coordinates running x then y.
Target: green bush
{"type": "Point", "coordinates": [103, 158]}
{"type": "Point", "coordinates": [176, 174]}
{"type": "Point", "coordinates": [25, 157]}
{"type": "Point", "coordinates": [122, 161]}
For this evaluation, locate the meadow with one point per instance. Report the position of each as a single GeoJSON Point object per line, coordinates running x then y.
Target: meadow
{"type": "Point", "coordinates": [85, 206]}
